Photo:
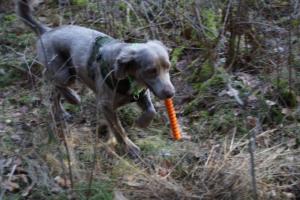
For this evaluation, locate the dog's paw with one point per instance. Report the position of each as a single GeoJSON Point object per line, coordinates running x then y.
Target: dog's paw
{"type": "Point", "coordinates": [132, 150]}
{"type": "Point", "coordinates": [67, 117]}
{"type": "Point", "coordinates": [64, 116]}
{"type": "Point", "coordinates": [145, 119]}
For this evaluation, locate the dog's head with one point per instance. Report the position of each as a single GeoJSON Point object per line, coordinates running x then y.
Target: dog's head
{"type": "Point", "coordinates": [149, 64]}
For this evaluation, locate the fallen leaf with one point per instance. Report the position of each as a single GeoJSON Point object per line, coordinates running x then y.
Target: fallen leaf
{"type": "Point", "coordinates": [286, 111]}
{"type": "Point", "coordinates": [16, 114]}
{"type": "Point", "coordinates": [23, 177]}
{"type": "Point", "coordinates": [8, 121]}
{"type": "Point", "coordinates": [63, 182]}
{"type": "Point", "coordinates": [163, 172]}
{"type": "Point", "coordinates": [289, 195]}
{"type": "Point", "coordinates": [27, 191]}
{"type": "Point", "coordinates": [270, 103]}
{"type": "Point", "coordinates": [118, 195]}
{"type": "Point", "coordinates": [252, 98]}
{"type": "Point", "coordinates": [132, 180]}
{"type": "Point", "coordinates": [232, 92]}
{"type": "Point", "coordinates": [15, 137]}
{"type": "Point", "coordinates": [10, 186]}
{"type": "Point", "coordinates": [251, 121]}
{"type": "Point", "coordinates": [248, 80]}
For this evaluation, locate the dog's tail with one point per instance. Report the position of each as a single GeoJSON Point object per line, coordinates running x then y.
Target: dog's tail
{"type": "Point", "coordinates": [23, 9]}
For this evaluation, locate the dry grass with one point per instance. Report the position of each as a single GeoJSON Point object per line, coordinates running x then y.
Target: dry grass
{"type": "Point", "coordinates": [34, 162]}
{"type": "Point", "coordinates": [168, 170]}
{"type": "Point", "coordinates": [224, 176]}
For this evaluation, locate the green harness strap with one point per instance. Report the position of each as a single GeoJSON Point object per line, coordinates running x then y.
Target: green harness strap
{"type": "Point", "coordinates": [127, 86]}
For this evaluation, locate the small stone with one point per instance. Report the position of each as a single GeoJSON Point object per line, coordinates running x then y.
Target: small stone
{"type": "Point", "coordinates": [8, 121]}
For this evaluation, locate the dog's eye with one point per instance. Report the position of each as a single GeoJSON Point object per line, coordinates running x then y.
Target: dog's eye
{"type": "Point", "coordinates": [166, 66]}
{"type": "Point", "coordinates": [152, 72]}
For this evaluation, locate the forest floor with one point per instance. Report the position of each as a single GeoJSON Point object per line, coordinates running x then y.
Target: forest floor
{"type": "Point", "coordinates": [211, 162]}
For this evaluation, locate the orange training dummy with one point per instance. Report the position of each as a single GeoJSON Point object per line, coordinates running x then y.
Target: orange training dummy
{"type": "Point", "coordinates": [173, 119]}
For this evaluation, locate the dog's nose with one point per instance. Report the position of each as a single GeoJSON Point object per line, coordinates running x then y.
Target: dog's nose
{"type": "Point", "coordinates": [168, 92]}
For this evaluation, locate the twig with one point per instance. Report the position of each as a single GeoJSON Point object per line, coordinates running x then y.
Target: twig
{"type": "Point", "coordinates": [257, 136]}
{"type": "Point", "coordinates": [252, 136]}
{"type": "Point", "coordinates": [9, 178]}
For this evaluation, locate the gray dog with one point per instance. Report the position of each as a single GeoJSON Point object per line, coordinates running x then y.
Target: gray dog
{"type": "Point", "coordinates": [117, 72]}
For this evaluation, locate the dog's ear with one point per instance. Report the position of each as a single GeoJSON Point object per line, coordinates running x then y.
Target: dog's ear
{"type": "Point", "coordinates": [124, 62]}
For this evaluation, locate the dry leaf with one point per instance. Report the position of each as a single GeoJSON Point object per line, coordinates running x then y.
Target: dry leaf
{"type": "Point", "coordinates": [133, 181]}
{"type": "Point", "coordinates": [118, 195]}
{"type": "Point", "coordinates": [289, 195]}
{"type": "Point", "coordinates": [163, 172]}
{"type": "Point", "coordinates": [10, 186]}
{"type": "Point", "coordinates": [27, 191]}
{"type": "Point", "coordinates": [270, 103]}
{"type": "Point", "coordinates": [286, 111]}
{"type": "Point", "coordinates": [62, 182]}
{"type": "Point", "coordinates": [252, 98]}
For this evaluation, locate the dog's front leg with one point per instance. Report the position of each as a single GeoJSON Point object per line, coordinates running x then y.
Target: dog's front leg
{"type": "Point", "coordinates": [119, 132]}
{"type": "Point", "coordinates": [145, 103]}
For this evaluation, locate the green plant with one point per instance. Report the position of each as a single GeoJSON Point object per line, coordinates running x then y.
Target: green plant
{"type": "Point", "coordinates": [177, 52]}
{"type": "Point", "coordinates": [80, 2]}
{"type": "Point", "coordinates": [99, 190]}
{"type": "Point", "coordinates": [211, 23]}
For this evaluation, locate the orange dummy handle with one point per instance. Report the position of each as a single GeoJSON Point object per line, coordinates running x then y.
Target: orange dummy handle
{"type": "Point", "coordinates": [173, 120]}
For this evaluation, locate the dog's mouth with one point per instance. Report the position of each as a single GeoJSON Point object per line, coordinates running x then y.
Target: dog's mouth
{"type": "Point", "coordinates": [145, 84]}
{"type": "Point", "coordinates": [150, 88]}
{"type": "Point", "coordinates": [160, 95]}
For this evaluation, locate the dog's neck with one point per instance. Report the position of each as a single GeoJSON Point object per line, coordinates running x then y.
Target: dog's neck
{"type": "Point", "coordinates": [105, 51]}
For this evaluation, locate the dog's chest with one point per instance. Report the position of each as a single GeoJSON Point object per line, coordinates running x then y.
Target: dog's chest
{"type": "Point", "coordinates": [128, 86]}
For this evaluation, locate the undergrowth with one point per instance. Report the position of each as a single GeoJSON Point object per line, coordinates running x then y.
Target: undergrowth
{"type": "Point", "coordinates": [218, 108]}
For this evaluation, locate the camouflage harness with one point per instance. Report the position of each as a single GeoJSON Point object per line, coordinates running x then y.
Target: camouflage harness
{"type": "Point", "coordinates": [125, 86]}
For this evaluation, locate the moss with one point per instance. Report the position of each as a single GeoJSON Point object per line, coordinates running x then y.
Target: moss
{"type": "Point", "coordinates": [80, 2]}
{"type": "Point", "coordinates": [223, 120]}
{"type": "Point", "coordinates": [123, 167]}
{"type": "Point", "coordinates": [25, 99]}
{"type": "Point", "coordinates": [8, 76]}
{"type": "Point", "coordinates": [71, 108]}
{"type": "Point", "coordinates": [195, 107]}
{"type": "Point", "coordinates": [215, 83]}
{"type": "Point", "coordinates": [151, 144]}
{"type": "Point", "coordinates": [275, 115]}
{"type": "Point", "coordinates": [99, 190]}
{"type": "Point", "coordinates": [203, 72]}
{"type": "Point", "coordinates": [21, 41]}
{"type": "Point", "coordinates": [295, 23]}
{"type": "Point", "coordinates": [288, 98]}
{"type": "Point", "coordinates": [210, 21]}
{"type": "Point", "coordinates": [219, 122]}
{"type": "Point", "coordinates": [177, 52]}
{"type": "Point", "coordinates": [206, 72]}
{"type": "Point", "coordinates": [280, 84]}
{"type": "Point", "coordinates": [8, 19]}
{"type": "Point", "coordinates": [207, 91]}
{"type": "Point", "coordinates": [7, 143]}
{"type": "Point", "coordinates": [128, 115]}
{"type": "Point", "coordinates": [122, 6]}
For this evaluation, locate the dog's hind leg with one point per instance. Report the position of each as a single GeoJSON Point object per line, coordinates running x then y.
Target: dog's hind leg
{"type": "Point", "coordinates": [63, 78]}
{"type": "Point", "coordinates": [57, 108]}
{"type": "Point", "coordinates": [60, 76]}
{"type": "Point", "coordinates": [119, 132]}
{"type": "Point", "coordinates": [70, 95]}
